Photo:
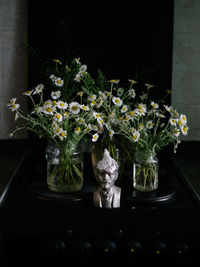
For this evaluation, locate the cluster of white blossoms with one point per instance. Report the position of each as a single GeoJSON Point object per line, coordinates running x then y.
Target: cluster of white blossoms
{"type": "Point", "coordinates": [114, 111]}
{"type": "Point", "coordinates": [81, 72]}
{"type": "Point", "coordinates": [55, 117]}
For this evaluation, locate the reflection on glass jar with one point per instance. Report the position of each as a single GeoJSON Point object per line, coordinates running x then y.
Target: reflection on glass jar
{"type": "Point", "coordinates": [64, 168]}
{"type": "Point", "coordinates": [145, 171]}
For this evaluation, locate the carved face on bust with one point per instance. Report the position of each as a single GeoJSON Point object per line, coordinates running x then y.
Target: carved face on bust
{"type": "Point", "coordinates": [107, 171]}
{"type": "Point", "coordinates": [107, 179]}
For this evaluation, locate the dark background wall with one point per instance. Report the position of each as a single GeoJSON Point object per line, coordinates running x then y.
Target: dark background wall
{"type": "Point", "coordinates": [123, 38]}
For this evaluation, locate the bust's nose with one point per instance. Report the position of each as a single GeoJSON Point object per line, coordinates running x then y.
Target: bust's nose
{"type": "Point", "coordinates": [106, 177]}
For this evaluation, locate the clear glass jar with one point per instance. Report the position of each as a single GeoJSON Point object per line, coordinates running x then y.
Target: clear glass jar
{"type": "Point", "coordinates": [145, 171]}
{"type": "Point", "coordinates": [64, 168]}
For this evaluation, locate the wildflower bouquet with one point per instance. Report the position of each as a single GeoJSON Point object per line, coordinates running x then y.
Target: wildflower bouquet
{"type": "Point", "coordinates": [108, 103]}
{"type": "Point", "coordinates": [61, 120]}
{"type": "Point", "coordinates": [149, 127]}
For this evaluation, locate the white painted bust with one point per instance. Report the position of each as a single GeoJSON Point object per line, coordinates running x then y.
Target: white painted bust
{"type": "Point", "coordinates": [107, 195]}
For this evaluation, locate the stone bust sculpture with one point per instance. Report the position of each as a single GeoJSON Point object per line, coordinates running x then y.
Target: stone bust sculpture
{"type": "Point", "coordinates": [107, 195]}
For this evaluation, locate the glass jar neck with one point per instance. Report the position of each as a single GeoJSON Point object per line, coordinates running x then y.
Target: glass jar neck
{"type": "Point", "coordinates": [146, 156]}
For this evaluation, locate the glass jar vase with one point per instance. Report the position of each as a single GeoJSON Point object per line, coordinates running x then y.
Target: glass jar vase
{"type": "Point", "coordinates": [145, 171]}
{"type": "Point", "coordinates": [64, 168]}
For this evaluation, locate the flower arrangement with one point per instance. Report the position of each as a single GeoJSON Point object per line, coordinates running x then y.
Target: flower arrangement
{"type": "Point", "coordinates": [76, 105]}
{"type": "Point", "coordinates": [58, 117]}
{"type": "Point", "coordinates": [146, 125]}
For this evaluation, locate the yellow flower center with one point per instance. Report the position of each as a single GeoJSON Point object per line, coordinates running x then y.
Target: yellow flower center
{"type": "Point", "coordinates": [58, 116]}
{"type": "Point", "coordinates": [185, 129]}
{"type": "Point", "coordinates": [63, 134]}
{"type": "Point", "coordinates": [74, 107]}
{"type": "Point", "coordinates": [180, 122]}
{"type": "Point", "coordinates": [78, 129]}
{"type": "Point", "coordinates": [134, 136]}
{"type": "Point", "coordinates": [49, 110]}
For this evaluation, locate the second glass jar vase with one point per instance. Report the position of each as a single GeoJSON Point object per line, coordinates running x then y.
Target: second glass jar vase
{"type": "Point", "coordinates": [64, 168]}
{"type": "Point", "coordinates": [145, 171]}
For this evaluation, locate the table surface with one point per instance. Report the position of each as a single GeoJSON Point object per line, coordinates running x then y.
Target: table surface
{"type": "Point", "coordinates": [187, 160]}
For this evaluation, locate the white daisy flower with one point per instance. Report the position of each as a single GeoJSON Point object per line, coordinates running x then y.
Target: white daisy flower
{"type": "Point", "coordinates": [100, 121]}
{"type": "Point", "coordinates": [92, 97]}
{"type": "Point", "coordinates": [131, 93]}
{"type": "Point", "coordinates": [77, 60]}
{"type": "Point", "coordinates": [99, 102]}
{"type": "Point", "coordinates": [150, 124]}
{"type": "Point", "coordinates": [56, 94]}
{"type": "Point", "coordinates": [74, 107]}
{"type": "Point", "coordinates": [132, 81]}
{"type": "Point", "coordinates": [78, 77]}
{"type": "Point", "coordinates": [62, 105]}
{"type": "Point", "coordinates": [149, 85]}
{"type": "Point", "coordinates": [136, 136]}
{"type": "Point", "coordinates": [66, 115]}
{"type": "Point", "coordinates": [120, 91]}
{"type": "Point", "coordinates": [96, 115]}
{"type": "Point", "coordinates": [169, 108]}
{"type": "Point", "coordinates": [12, 101]}
{"type": "Point", "coordinates": [80, 120]}
{"type": "Point", "coordinates": [14, 107]}
{"type": "Point", "coordinates": [124, 109]}
{"type": "Point", "coordinates": [78, 130]}
{"type": "Point", "coordinates": [183, 118]}
{"type": "Point", "coordinates": [117, 101]}
{"type": "Point", "coordinates": [57, 61]}
{"type": "Point", "coordinates": [80, 93]}
{"type": "Point", "coordinates": [154, 105]}
{"type": "Point", "coordinates": [47, 103]}
{"type": "Point", "coordinates": [159, 115]}
{"type": "Point", "coordinates": [140, 127]}
{"type": "Point", "coordinates": [142, 106]}
{"type": "Point", "coordinates": [93, 103]}
{"type": "Point", "coordinates": [111, 132]}
{"type": "Point", "coordinates": [140, 112]}
{"type": "Point", "coordinates": [28, 93]}
{"type": "Point", "coordinates": [54, 125]}
{"type": "Point", "coordinates": [102, 95]}
{"type": "Point", "coordinates": [38, 89]}
{"type": "Point", "coordinates": [48, 110]}
{"type": "Point", "coordinates": [52, 77]}
{"type": "Point", "coordinates": [62, 135]}
{"type": "Point", "coordinates": [176, 132]}
{"type": "Point", "coordinates": [95, 137]}
{"type": "Point", "coordinates": [180, 122]}
{"type": "Point", "coordinates": [126, 119]}
{"type": "Point", "coordinates": [184, 129]}
{"type": "Point", "coordinates": [58, 117]}
{"type": "Point", "coordinates": [83, 69]}
{"type": "Point", "coordinates": [84, 107]}
{"type": "Point", "coordinates": [172, 121]}
{"type": "Point", "coordinates": [58, 131]}
{"type": "Point", "coordinates": [59, 82]}
{"type": "Point", "coordinates": [114, 81]}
